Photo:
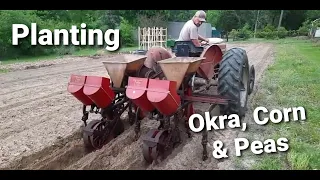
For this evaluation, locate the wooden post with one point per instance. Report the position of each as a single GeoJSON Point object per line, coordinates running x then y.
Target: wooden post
{"type": "Point", "coordinates": [152, 36]}
{"type": "Point", "coordinates": [139, 38]}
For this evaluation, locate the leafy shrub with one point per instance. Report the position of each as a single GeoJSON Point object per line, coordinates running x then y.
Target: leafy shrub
{"type": "Point", "coordinates": [7, 50]}
{"type": "Point", "coordinates": [282, 32]}
{"type": "Point", "coordinates": [292, 33]}
{"type": "Point", "coordinates": [270, 32]}
{"type": "Point", "coordinates": [7, 18]}
{"type": "Point", "coordinates": [243, 33]}
{"type": "Point", "coordinates": [126, 33]}
{"type": "Point", "coordinates": [64, 50]}
{"type": "Point", "coordinates": [233, 33]}
{"type": "Point", "coordinates": [304, 29]}
{"type": "Point", "coordinates": [269, 28]}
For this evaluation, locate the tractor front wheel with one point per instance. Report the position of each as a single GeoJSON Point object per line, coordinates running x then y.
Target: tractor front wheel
{"type": "Point", "coordinates": [233, 81]}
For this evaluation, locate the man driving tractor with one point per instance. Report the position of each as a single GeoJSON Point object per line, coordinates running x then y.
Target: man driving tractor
{"type": "Point", "coordinates": [189, 31]}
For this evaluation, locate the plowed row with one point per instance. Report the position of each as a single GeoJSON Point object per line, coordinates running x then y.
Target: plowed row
{"type": "Point", "coordinates": [40, 121]}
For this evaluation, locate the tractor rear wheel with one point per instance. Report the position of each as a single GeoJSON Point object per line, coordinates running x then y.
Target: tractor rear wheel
{"type": "Point", "coordinates": [233, 81]}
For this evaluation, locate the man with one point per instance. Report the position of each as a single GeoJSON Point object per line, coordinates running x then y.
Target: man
{"type": "Point", "coordinates": [189, 32]}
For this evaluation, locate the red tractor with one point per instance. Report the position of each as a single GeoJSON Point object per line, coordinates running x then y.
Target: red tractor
{"type": "Point", "coordinates": [163, 87]}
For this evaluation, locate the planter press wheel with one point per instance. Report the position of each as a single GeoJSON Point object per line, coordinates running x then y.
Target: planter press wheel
{"type": "Point", "coordinates": [93, 142]}
{"type": "Point", "coordinates": [252, 74]}
{"type": "Point", "coordinates": [155, 146]}
{"type": "Point", "coordinates": [87, 138]}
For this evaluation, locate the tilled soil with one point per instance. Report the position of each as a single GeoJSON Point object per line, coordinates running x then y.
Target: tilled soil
{"type": "Point", "coordinates": [40, 122]}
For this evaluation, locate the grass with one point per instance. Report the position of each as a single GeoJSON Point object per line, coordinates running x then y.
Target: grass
{"type": "Point", "coordinates": [83, 52]}
{"type": "Point", "coordinates": [3, 71]}
{"type": "Point", "coordinates": [293, 80]}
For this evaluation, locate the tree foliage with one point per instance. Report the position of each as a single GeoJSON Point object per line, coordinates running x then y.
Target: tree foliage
{"type": "Point", "coordinates": [294, 22]}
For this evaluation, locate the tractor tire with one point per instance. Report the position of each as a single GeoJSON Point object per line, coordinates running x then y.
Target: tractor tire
{"type": "Point", "coordinates": [233, 81]}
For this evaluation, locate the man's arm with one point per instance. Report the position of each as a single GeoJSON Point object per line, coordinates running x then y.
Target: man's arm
{"type": "Point", "coordinates": [194, 36]}
{"type": "Point", "coordinates": [203, 39]}
{"type": "Point", "coordinates": [196, 42]}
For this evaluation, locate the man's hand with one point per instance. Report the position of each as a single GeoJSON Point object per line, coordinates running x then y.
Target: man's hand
{"type": "Point", "coordinates": [204, 43]}
{"type": "Point", "coordinates": [203, 39]}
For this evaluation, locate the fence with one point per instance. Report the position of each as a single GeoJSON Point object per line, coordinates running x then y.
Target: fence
{"type": "Point", "coordinates": [152, 36]}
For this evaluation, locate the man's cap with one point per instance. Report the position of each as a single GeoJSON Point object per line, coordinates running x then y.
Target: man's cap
{"type": "Point", "coordinates": [201, 15]}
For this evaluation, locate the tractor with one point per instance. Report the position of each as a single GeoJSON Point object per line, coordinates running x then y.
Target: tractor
{"type": "Point", "coordinates": [163, 86]}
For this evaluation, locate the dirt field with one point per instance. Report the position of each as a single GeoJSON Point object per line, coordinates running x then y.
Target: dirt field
{"type": "Point", "coordinates": [40, 120]}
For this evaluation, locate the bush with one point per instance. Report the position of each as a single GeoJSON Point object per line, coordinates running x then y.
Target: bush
{"type": "Point", "coordinates": [282, 32]}
{"type": "Point", "coordinates": [292, 33]}
{"type": "Point", "coordinates": [269, 28]}
{"type": "Point", "coordinates": [233, 34]}
{"type": "Point", "coordinates": [304, 29]}
{"type": "Point", "coordinates": [267, 35]}
{"type": "Point", "coordinates": [270, 35]}
{"type": "Point", "coordinates": [126, 33]}
{"type": "Point", "coordinates": [270, 32]}
{"type": "Point", "coordinates": [7, 50]}
{"type": "Point", "coordinates": [64, 50]}
{"type": "Point", "coordinates": [56, 19]}
{"type": "Point", "coordinates": [7, 18]}
{"type": "Point", "coordinates": [244, 33]}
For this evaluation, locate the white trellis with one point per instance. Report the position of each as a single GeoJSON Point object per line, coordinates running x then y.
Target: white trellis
{"type": "Point", "coordinates": [152, 36]}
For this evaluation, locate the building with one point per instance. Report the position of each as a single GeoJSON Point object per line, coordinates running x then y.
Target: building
{"type": "Point", "coordinates": [216, 33]}
{"type": "Point", "coordinates": [315, 30]}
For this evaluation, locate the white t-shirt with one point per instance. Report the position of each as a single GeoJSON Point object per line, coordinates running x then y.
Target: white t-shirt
{"type": "Point", "coordinates": [188, 32]}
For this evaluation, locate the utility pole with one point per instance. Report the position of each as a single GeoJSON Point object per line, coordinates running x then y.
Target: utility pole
{"type": "Point", "coordinates": [281, 15]}
{"type": "Point", "coordinates": [256, 25]}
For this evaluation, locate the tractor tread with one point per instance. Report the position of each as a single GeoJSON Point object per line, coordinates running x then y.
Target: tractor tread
{"type": "Point", "coordinates": [229, 78]}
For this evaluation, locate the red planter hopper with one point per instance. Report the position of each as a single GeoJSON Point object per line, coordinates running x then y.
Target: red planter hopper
{"type": "Point", "coordinates": [163, 95]}
{"type": "Point", "coordinates": [98, 89]}
{"type": "Point", "coordinates": [75, 87]}
{"type": "Point", "coordinates": [136, 91]}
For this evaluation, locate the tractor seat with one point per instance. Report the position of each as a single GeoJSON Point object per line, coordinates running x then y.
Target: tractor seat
{"type": "Point", "coordinates": [186, 49]}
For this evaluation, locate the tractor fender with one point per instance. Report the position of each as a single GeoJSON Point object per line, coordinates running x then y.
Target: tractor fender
{"type": "Point", "coordinates": [213, 55]}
